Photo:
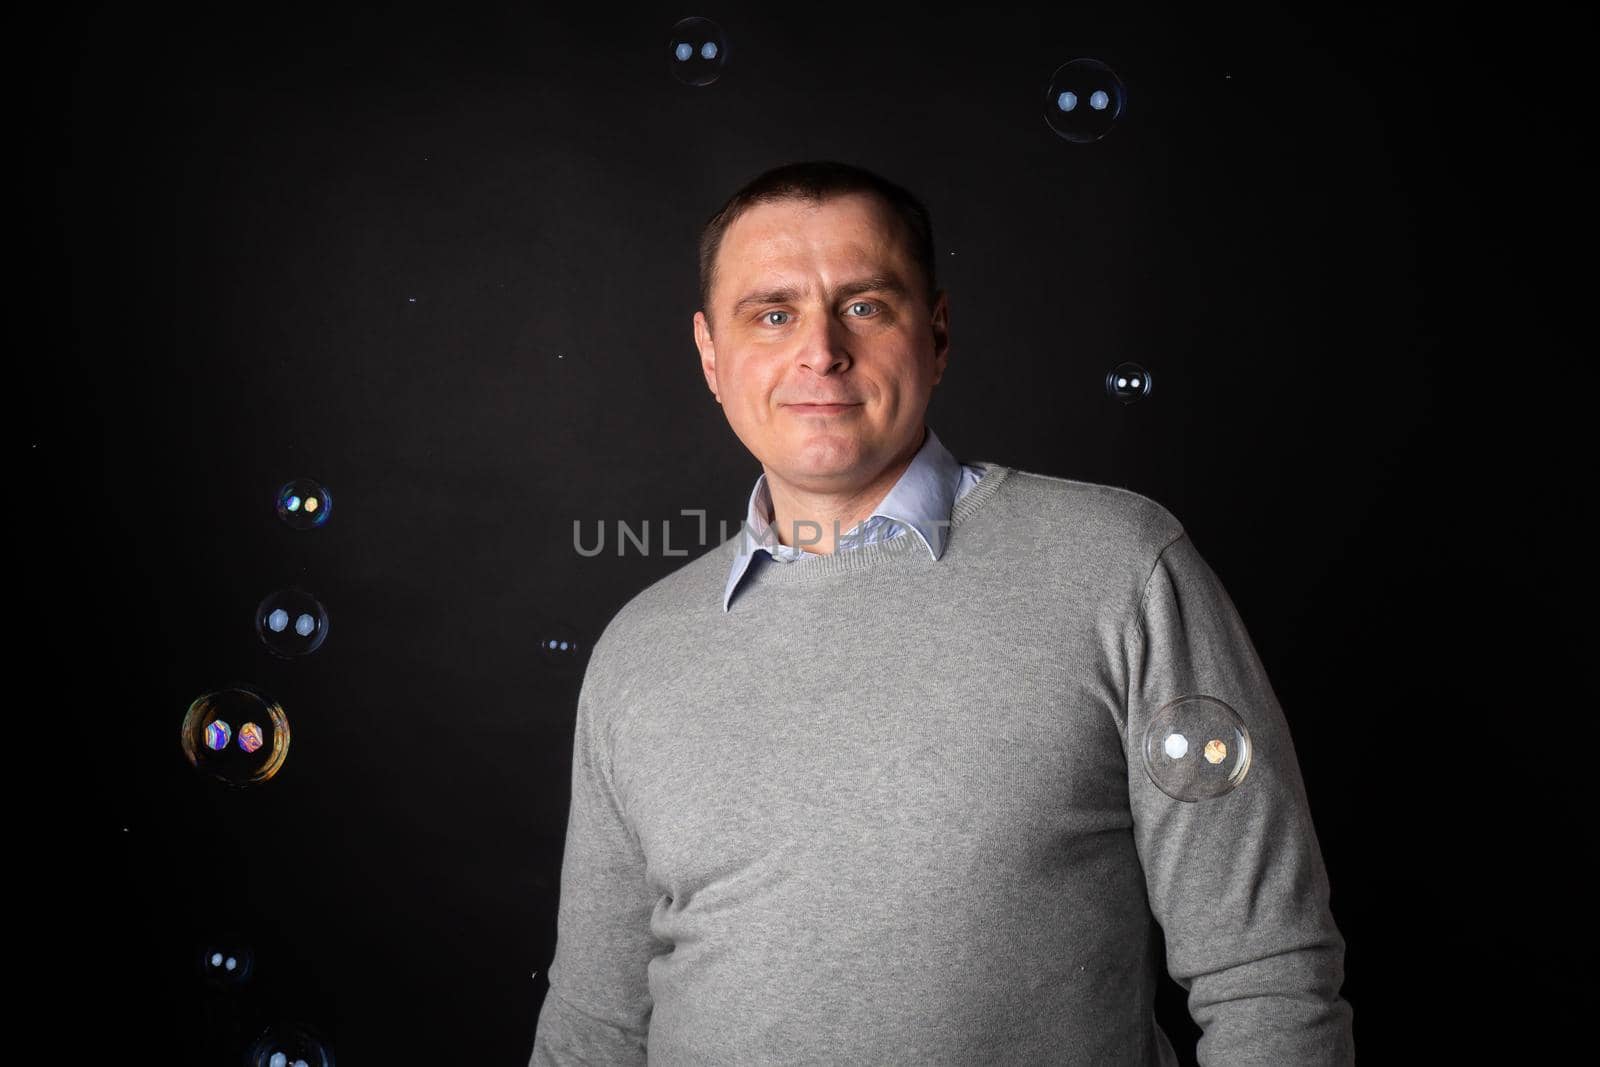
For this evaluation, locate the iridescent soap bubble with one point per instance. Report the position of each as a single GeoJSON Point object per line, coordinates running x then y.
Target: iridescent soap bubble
{"type": "Point", "coordinates": [292, 622]}
{"type": "Point", "coordinates": [304, 503]}
{"type": "Point", "coordinates": [290, 1045]}
{"type": "Point", "coordinates": [225, 962]}
{"type": "Point", "coordinates": [263, 737]}
{"type": "Point", "coordinates": [697, 50]}
{"type": "Point", "coordinates": [1127, 382]}
{"type": "Point", "coordinates": [1196, 748]}
{"type": "Point", "coordinates": [1084, 100]}
{"type": "Point", "coordinates": [560, 645]}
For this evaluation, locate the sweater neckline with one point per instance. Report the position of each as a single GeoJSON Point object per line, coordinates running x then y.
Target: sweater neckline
{"type": "Point", "coordinates": [814, 568]}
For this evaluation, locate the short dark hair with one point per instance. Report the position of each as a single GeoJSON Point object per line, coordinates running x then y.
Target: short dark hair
{"type": "Point", "coordinates": [816, 181]}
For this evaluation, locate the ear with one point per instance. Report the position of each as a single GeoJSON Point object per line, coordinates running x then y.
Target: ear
{"type": "Point", "coordinates": [940, 317]}
{"type": "Point", "coordinates": [708, 351]}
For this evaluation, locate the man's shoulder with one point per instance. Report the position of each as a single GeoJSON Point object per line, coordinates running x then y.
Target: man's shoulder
{"type": "Point", "coordinates": [1083, 511]}
{"type": "Point", "coordinates": [695, 586]}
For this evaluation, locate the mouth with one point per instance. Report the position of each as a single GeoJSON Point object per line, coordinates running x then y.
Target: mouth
{"type": "Point", "coordinates": [820, 409]}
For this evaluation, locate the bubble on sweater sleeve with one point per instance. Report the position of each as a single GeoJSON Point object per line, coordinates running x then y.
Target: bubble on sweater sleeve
{"type": "Point", "coordinates": [1196, 748]}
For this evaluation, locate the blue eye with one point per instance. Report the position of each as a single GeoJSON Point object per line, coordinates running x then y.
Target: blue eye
{"type": "Point", "coordinates": [859, 303]}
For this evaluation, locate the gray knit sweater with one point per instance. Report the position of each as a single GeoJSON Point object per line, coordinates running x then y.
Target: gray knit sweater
{"type": "Point", "coordinates": [892, 810]}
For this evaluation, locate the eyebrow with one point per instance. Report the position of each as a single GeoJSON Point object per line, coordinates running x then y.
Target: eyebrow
{"type": "Point", "coordinates": [876, 283]}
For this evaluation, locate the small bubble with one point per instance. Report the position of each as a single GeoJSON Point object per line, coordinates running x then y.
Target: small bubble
{"type": "Point", "coordinates": [304, 503]}
{"type": "Point", "coordinates": [1128, 382]}
{"type": "Point", "coordinates": [560, 645]}
{"type": "Point", "coordinates": [226, 962]}
{"type": "Point", "coordinates": [697, 51]}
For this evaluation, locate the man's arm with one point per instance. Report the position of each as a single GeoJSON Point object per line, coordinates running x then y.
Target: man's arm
{"type": "Point", "coordinates": [1237, 882]}
{"type": "Point", "coordinates": [598, 1007]}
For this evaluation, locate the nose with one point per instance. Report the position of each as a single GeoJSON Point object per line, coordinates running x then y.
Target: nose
{"type": "Point", "coordinates": [823, 351]}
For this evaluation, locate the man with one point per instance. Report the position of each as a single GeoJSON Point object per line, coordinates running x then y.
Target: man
{"type": "Point", "coordinates": [877, 796]}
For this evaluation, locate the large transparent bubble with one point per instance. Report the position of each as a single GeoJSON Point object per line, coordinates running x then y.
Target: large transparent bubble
{"type": "Point", "coordinates": [1196, 748]}
{"type": "Point", "coordinates": [236, 735]}
{"type": "Point", "coordinates": [1084, 100]}
{"type": "Point", "coordinates": [290, 1045]}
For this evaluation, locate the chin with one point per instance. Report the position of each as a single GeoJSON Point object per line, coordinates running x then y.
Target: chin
{"type": "Point", "coordinates": [823, 458]}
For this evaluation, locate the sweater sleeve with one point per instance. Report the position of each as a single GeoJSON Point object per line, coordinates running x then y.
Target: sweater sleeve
{"type": "Point", "coordinates": [1237, 882]}
{"type": "Point", "coordinates": [598, 1007]}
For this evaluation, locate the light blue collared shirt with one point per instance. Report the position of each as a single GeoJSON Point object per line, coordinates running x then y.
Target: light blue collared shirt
{"type": "Point", "coordinates": [921, 500]}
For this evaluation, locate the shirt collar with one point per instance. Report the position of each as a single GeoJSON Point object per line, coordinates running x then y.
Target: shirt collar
{"type": "Point", "coordinates": [921, 500]}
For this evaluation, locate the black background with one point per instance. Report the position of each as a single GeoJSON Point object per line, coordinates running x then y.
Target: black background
{"type": "Point", "coordinates": [443, 259]}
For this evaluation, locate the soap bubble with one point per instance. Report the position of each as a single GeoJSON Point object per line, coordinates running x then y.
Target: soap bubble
{"type": "Point", "coordinates": [1084, 100]}
{"type": "Point", "coordinates": [292, 622]}
{"type": "Point", "coordinates": [225, 962]}
{"type": "Point", "coordinates": [290, 1045]}
{"type": "Point", "coordinates": [560, 645]}
{"type": "Point", "coordinates": [697, 50]}
{"type": "Point", "coordinates": [1196, 748]}
{"type": "Point", "coordinates": [258, 725]}
{"type": "Point", "coordinates": [304, 503]}
{"type": "Point", "coordinates": [1127, 382]}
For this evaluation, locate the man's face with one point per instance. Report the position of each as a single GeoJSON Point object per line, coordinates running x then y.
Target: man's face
{"type": "Point", "coordinates": [793, 327]}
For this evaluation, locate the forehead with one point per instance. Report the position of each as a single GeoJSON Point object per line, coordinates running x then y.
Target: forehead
{"type": "Point", "coordinates": [856, 229]}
